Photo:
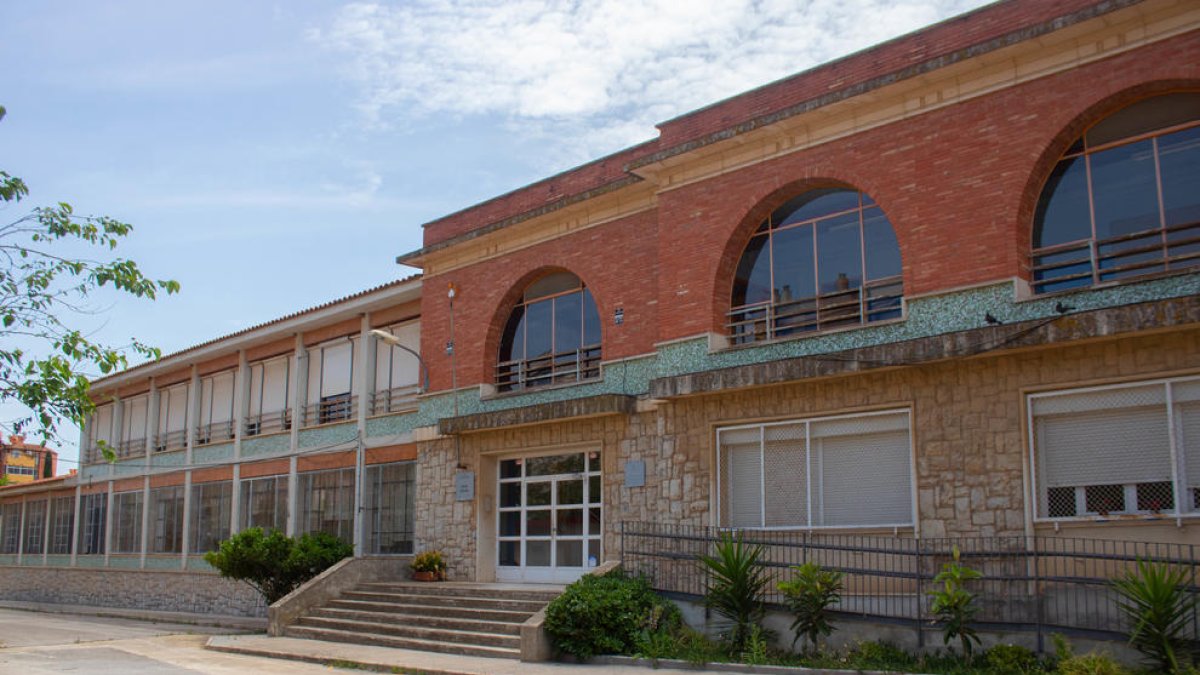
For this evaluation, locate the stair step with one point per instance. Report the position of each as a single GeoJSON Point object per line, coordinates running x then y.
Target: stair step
{"type": "Point", "coordinates": [429, 610]}
{"type": "Point", "coordinates": [451, 623]}
{"type": "Point", "coordinates": [459, 590]}
{"type": "Point", "coordinates": [429, 645]}
{"type": "Point", "coordinates": [529, 606]}
{"type": "Point", "coordinates": [423, 633]}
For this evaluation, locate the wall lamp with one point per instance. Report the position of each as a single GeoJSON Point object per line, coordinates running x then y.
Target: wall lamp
{"type": "Point", "coordinates": [384, 336]}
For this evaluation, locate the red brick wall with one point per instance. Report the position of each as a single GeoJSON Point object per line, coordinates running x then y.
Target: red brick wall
{"type": "Point", "coordinates": [958, 184]}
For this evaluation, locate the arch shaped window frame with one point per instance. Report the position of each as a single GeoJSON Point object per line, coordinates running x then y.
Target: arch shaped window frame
{"type": "Point", "coordinates": [876, 298]}
{"type": "Point", "coordinates": [562, 361]}
{"type": "Point", "coordinates": [1103, 257]}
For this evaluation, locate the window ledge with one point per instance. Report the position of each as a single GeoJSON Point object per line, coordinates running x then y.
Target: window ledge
{"type": "Point", "coordinates": [501, 395]}
{"type": "Point", "coordinates": [1118, 519]}
{"type": "Point", "coordinates": [805, 336]}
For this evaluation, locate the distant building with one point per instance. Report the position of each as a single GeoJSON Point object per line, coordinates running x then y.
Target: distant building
{"type": "Point", "coordinates": [22, 462]}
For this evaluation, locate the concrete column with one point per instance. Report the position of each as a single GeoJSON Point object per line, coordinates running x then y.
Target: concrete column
{"type": "Point", "coordinates": [21, 531]}
{"type": "Point", "coordinates": [145, 520]}
{"type": "Point", "coordinates": [85, 442]}
{"type": "Point", "coordinates": [108, 524]}
{"type": "Point", "coordinates": [118, 430]}
{"type": "Point", "coordinates": [77, 528]}
{"type": "Point", "coordinates": [241, 406]}
{"type": "Point", "coordinates": [46, 528]}
{"type": "Point", "coordinates": [363, 390]}
{"type": "Point", "coordinates": [193, 414]}
{"type": "Point", "coordinates": [187, 519]}
{"type": "Point", "coordinates": [299, 396]}
{"type": "Point", "coordinates": [152, 403]}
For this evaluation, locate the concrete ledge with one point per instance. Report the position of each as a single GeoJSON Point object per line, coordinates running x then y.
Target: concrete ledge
{"type": "Point", "coordinates": [1070, 328]}
{"type": "Point", "coordinates": [331, 583]}
{"type": "Point", "coordinates": [557, 411]}
{"type": "Point", "coordinates": [536, 644]}
{"type": "Point", "coordinates": [240, 623]}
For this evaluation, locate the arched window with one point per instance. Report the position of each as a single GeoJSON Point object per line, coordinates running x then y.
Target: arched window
{"type": "Point", "coordinates": [827, 258]}
{"type": "Point", "coordinates": [552, 336]}
{"type": "Point", "coordinates": [1124, 200]}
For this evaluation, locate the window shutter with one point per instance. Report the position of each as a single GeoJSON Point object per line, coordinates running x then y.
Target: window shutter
{"type": "Point", "coordinates": [1187, 408]}
{"type": "Point", "coordinates": [1104, 447]}
{"type": "Point", "coordinates": [786, 478]}
{"type": "Point", "coordinates": [741, 477]}
{"type": "Point", "coordinates": [275, 386]}
{"type": "Point", "coordinates": [335, 369]}
{"type": "Point", "coordinates": [222, 397]}
{"type": "Point", "coordinates": [865, 479]}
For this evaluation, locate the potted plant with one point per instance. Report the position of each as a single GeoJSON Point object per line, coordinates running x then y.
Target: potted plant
{"type": "Point", "coordinates": [428, 566]}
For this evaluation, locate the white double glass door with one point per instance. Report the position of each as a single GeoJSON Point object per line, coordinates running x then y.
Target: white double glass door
{"type": "Point", "coordinates": [549, 517]}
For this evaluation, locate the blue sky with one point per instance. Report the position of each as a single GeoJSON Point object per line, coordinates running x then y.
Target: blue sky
{"type": "Point", "coordinates": [276, 155]}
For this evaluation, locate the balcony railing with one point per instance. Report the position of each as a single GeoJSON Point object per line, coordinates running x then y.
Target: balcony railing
{"type": "Point", "coordinates": [131, 448]}
{"type": "Point", "coordinates": [267, 423]}
{"type": "Point", "coordinates": [559, 368]}
{"type": "Point", "coordinates": [330, 409]}
{"type": "Point", "coordinates": [214, 432]}
{"type": "Point", "coordinates": [395, 400]}
{"type": "Point", "coordinates": [877, 300]}
{"type": "Point", "coordinates": [1088, 262]}
{"type": "Point", "coordinates": [171, 440]}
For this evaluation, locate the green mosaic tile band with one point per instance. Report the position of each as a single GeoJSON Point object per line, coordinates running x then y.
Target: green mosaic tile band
{"type": "Point", "coordinates": [163, 562]}
{"type": "Point", "coordinates": [58, 560]}
{"type": "Point", "coordinates": [266, 445]}
{"type": "Point", "coordinates": [331, 435]}
{"type": "Point", "coordinates": [125, 561]}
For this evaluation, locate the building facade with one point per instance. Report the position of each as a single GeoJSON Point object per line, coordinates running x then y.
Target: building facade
{"type": "Point", "coordinates": [22, 462]}
{"type": "Point", "coordinates": [946, 287]}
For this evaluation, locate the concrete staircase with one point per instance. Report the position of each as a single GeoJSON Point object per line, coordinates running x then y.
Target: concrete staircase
{"type": "Point", "coordinates": [453, 618]}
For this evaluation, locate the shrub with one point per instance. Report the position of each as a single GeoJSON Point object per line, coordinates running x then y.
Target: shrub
{"type": "Point", "coordinates": [809, 595]}
{"type": "Point", "coordinates": [735, 588]}
{"type": "Point", "coordinates": [881, 655]}
{"type": "Point", "coordinates": [1158, 604]}
{"type": "Point", "coordinates": [607, 614]}
{"type": "Point", "coordinates": [954, 605]}
{"type": "Point", "coordinates": [1011, 660]}
{"type": "Point", "coordinates": [429, 561]}
{"type": "Point", "coordinates": [1088, 664]}
{"type": "Point", "coordinates": [275, 564]}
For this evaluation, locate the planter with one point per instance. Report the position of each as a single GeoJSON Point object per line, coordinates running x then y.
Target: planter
{"type": "Point", "coordinates": [427, 576]}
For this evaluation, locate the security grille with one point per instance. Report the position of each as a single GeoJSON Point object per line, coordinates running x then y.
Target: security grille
{"type": "Point", "coordinates": [211, 507]}
{"type": "Point", "coordinates": [10, 527]}
{"type": "Point", "coordinates": [93, 509]}
{"type": "Point", "coordinates": [35, 528]}
{"type": "Point", "coordinates": [166, 519]}
{"type": "Point", "coordinates": [389, 500]}
{"type": "Point", "coordinates": [1121, 450]}
{"type": "Point", "coordinates": [831, 472]}
{"type": "Point", "coordinates": [327, 503]}
{"type": "Point", "coordinates": [62, 521]}
{"type": "Point", "coordinates": [265, 503]}
{"type": "Point", "coordinates": [127, 522]}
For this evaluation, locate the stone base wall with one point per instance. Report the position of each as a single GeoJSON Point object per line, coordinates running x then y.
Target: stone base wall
{"type": "Point", "coordinates": [969, 430]}
{"type": "Point", "coordinates": [167, 591]}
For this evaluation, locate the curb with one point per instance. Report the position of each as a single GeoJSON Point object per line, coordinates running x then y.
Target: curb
{"type": "Point", "coordinates": [323, 661]}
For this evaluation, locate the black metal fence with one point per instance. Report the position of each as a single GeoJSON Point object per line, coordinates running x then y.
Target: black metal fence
{"type": "Point", "coordinates": [1042, 584]}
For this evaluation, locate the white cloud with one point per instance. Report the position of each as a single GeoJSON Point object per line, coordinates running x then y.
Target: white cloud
{"type": "Point", "coordinates": [597, 74]}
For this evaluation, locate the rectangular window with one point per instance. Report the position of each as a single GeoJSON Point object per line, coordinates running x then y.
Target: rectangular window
{"type": "Point", "coordinates": [216, 408]}
{"type": "Point", "coordinates": [172, 418]}
{"type": "Point", "coordinates": [133, 434]}
{"type": "Point", "coordinates": [388, 504]}
{"type": "Point", "coordinates": [270, 382]}
{"type": "Point", "coordinates": [166, 519]}
{"type": "Point", "coordinates": [852, 471]}
{"type": "Point", "coordinates": [62, 522]}
{"type": "Point", "coordinates": [211, 506]}
{"type": "Point", "coordinates": [1119, 450]}
{"type": "Point", "coordinates": [35, 527]}
{"type": "Point", "coordinates": [265, 503]}
{"type": "Point", "coordinates": [331, 381]}
{"type": "Point", "coordinates": [93, 509]}
{"type": "Point", "coordinates": [10, 527]}
{"type": "Point", "coordinates": [327, 503]}
{"type": "Point", "coordinates": [127, 522]}
{"type": "Point", "coordinates": [101, 431]}
{"type": "Point", "coordinates": [397, 372]}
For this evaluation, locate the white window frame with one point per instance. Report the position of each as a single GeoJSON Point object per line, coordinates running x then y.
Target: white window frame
{"type": "Point", "coordinates": [808, 421]}
{"type": "Point", "coordinates": [1175, 436]}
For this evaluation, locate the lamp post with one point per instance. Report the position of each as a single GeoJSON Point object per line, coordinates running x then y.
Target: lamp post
{"type": "Point", "coordinates": [394, 341]}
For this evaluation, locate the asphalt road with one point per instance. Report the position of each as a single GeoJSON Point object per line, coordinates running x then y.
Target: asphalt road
{"type": "Point", "coordinates": [34, 643]}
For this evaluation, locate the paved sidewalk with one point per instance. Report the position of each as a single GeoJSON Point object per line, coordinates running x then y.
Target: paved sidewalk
{"type": "Point", "coordinates": [238, 623]}
{"type": "Point", "coordinates": [389, 660]}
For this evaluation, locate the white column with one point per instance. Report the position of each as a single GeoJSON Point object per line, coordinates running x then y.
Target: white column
{"type": "Point", "coordinates": [192, 419]}
{"type": "Point", "coordinates": [77, 525]}
{"type": "Point", "coordinates": [118, 431]}
{"type": "Point", "coordinates": [363, 391]}
{"type": "Point", "coordinates": [299, 395]}
{"type": "Point", "coordinates": [145, 520]}
{"type": "Point", "coordinates": [241, 405]}
{"type": "Point", "coordinates": [187, 518]}
{"type": "Point", "coordinates": [108, 524]}
{"type": "Point", "coordinates": [152, 403]}
{"type": "Point", "coordinates": [21, 531]}
{"type": "Point", "coordinates": [46, 526]}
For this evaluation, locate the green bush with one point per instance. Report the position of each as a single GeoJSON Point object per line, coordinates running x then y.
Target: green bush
{"type": "Point", "coordinates": [1011, 660]}
{"type": "Point", "coordinates": [1095, 663]}
{"type": "Point", "coordinates": [736, 585]}
{"type": "Point", "coordinates": [955, 606]}
{"type": "Point", "coordinates": [609, 614]}
{"type": "Point", "coordinates": [809, 595]}
{"type": "Point", "coordinates": [1156, 600]}
{"type": "Point", "coordinates": [275, 564]}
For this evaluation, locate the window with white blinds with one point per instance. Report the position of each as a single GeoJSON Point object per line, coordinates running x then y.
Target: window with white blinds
{"type": "Point", "coordinates": [134, 432]}
{"type": "Point", "coordinates": [216, 408]}
{"type": "Point", "coordinates": [269, 386]}
{"type": "Point", "coordinates": [102, 429]}
{"type": "Point", "coordinates": [172, 417]}
{"type": "Point", "coordinates": [853, 471]}
{"type": "Point", "coordinates": [1126, 449]}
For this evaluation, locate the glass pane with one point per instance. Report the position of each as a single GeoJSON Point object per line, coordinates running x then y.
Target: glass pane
{"type": "Point", "coordinates": [537, 494]}
{"type": "Point", "coordinates": [594, 521]}
{"type": "Point", "coordinates": [1124, 190]}
{"type": "Point", "coordinates": [839, 254]}
{"type": "Point", "coordinates": [1062, 211]}
{"type": "Point", "coordinates": [794, 277]}
{"type": "Point", "coordinates": [1179, 164]}
{"type": "Point", "coordinates": [570, 522]}
{"type": "Point", "coordinates": [559, 282]}
{"type": "Point", "coordinates": [570, 492]}
{"type": "Point", "coordinates": [591, 320]}
{"type": "Point", "coordinates": [512, 343]}
{"type": "Point", "coordinates": [883, 251]}
{"type": "Point", "coordinates": [568, 323]}
{"type": "Point", "coordinates": [537, 329]}
{"type": "Point", "coordinates": [510, 553]}
{"type": "Point", "coordinates": [594, 490]}
{"type": "Point", "coordinates": [510, 523]}
{"type": "Point", "coordinates": [814, 204]}
{"type": "Point", "coordinates": [752, 282]}
{"type": "Point", "coordinates": [1146, 116]}
{"type": "Point", "coordinates": [537, 554]}
{"type": "Point", "coordinates": [1104, 499]}
{"type": "Point", "coordinates": [510, 468]}
{"type": "Point", "coordinates": [593, 552]}
{"type": "Point", "coordinates": [554, 464]}
{"type": "Point", "coordinates": [570, 554]}
{"type": "Point", "coordinates": [510, 494]}
{"type": "Point", "coordinates": [537, 523]}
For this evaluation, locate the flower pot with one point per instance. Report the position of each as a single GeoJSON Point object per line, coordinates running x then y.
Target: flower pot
{"type": "Point", "coordinates": [426, 576]}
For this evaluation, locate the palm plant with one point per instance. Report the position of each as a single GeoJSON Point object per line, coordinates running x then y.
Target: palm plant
{"type": "Point", "coordinates": [809, 595]}
{"type": "Point", "coordinates": [1158, 603]}
{"type": "Point", "coordinates": [736, 585]}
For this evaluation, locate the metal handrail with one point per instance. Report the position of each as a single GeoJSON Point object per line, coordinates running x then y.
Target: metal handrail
{"type": "Point", "coordinates": [266, 423]}
{"type": "Point", "coordinates": [1102, 265]}
{"type": "Point", "coordinates": [331, 409]}
{"type": "Point", "coordinates": [395, 399]}
{"type": "Point", "coordinates": [214, 432]}
{"type": "Point", "coordinates": [574, 365]}
{"type": "Point", "coordinates": [770, 319]}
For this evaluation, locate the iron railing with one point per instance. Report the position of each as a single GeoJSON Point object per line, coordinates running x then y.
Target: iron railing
{"type": "Point", "coordinates": [877, 300]}
{"type": "Point", "coordinates": [267, 423]}
{"type": "Point", "coordinates": [214, 432]}
{"type": "Point", "coordinates": [1092, 261]}
{"type": "Point", "coordinates": [171, 440]}
{"type": "Point", "coordinates": [575, 365]}
{"type": "Point", "coordinates": [330, 409]}
{"type": "Point", "coordinates": [131, 447]}
{"type": "Point", "coordinates": [395, 400]}
{"type": "Point", "coordinates": [1040, 584]}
